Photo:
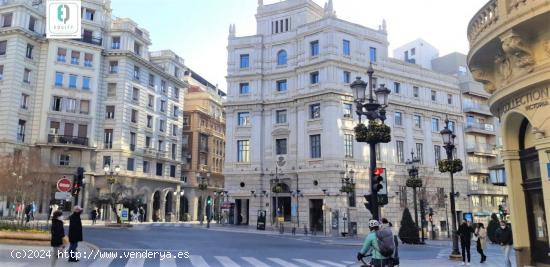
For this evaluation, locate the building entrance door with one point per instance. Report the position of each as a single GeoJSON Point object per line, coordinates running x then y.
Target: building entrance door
{"type": "Point", "coordinates": [316, 215]}
{"type": "Point", "coordinates": [241, 205]}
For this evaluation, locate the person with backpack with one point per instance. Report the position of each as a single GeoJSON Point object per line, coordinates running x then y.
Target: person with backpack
{"type": "Point", "coordinates": [381, 244]}
{"type": "Point", "coordinates": [395, 256]}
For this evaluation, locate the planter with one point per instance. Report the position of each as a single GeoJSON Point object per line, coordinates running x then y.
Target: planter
{"type": "Point", "coordinates": [346, 189]}
{"type": "Point", "coordinates": [375, 133]}
{"type": "Point", "coordinates": [453, 166]}
{"type": "Point", "coordinates": [413, 182]}
{"type": "Point", "coordinates": [25, 238]}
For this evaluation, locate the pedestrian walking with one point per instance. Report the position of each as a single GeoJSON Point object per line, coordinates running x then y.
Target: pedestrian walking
{"type": "Point", "coordinates": [58, 233]}
{"type": "Point", "coordinates": [93, 215]}
{"type": "Point", "coordinates": [75, 232]}
{"type": "Point", "coordinates": [465, 231]}
{"type": "Point", "coordinates": [481, 244]}
{"type": "Point", "coordinates": [395, 257]}
{"type": "Point", "coordinates": [141, 214]}
{"type": "Point", "coordinates": [504, 237]}
{"type": "Point", "coordinates": [28, 210]}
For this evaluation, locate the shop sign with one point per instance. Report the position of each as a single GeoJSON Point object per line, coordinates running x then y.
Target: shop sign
{"type": "Point", "coordinates": [531, 100]}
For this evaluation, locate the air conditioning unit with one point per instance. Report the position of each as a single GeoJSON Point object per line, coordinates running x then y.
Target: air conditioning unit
{"type": "Point", "coordinates": [53, 131]}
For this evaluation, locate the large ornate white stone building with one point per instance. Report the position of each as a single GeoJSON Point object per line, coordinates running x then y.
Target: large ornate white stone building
{"type": "Point", "coordinates": [289, 97]}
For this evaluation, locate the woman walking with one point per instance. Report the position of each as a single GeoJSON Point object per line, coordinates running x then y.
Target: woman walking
{"type": "Point", "coordinates": [481, 245]}
{"type": "Point", "coordinates": [58, 233]}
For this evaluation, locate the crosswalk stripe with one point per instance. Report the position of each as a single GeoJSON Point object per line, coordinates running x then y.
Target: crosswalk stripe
{"type": "Point", "coordinates": [198, 261]}
{"type": "Point", "coordinates": [101, 262]}
{"type": "Point", "coordinates": [348, 262]}
{"type": "Point", "coordinates": [309, 263]}
{"type": "Point", "coordinates": [282, 262]}
{"type": "Point", "coordinates": [168, 262]}
{"type": "Point", "coordinates": [226, 261]}
{"type": "Point", "coordinates": [15, 264]}
{"type": "Point", "coordinates": [332, 263]}
{"type": "Point", "coordinates": [135, 262]}
{"type": "Point", "coordinates": [254, 262]}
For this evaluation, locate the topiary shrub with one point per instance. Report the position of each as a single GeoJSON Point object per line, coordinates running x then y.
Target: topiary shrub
{"type": "Point", "coordinates": [408, 232]}
{"type": "Point", "coordinates": [453, 166]}
{"type": "Point", "coordinates": [375, 133]}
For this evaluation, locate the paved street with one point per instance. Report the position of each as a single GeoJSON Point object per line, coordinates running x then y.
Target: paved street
{"type": "Point", "coordinates": [231, 247]}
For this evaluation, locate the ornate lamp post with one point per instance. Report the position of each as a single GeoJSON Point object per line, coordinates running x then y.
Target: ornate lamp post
{"type": "Point", "coordinates": [203, 186]}
{"type": "Point", "coordinates": [276, 188]}
{"type": "Point", "coordinates": [377, 132]}
{"type": "Point", "coordinates": [348, 187]}
{"type": "Point", "coordinates": [414, 182]}
{"type": "Point", "coordinates": [451, 166]}
{"type": "Point", "coordinates": [112, 172]}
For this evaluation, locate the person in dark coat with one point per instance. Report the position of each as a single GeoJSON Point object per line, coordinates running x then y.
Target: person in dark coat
{"type": "Point", "coordinates": [75, 232]}
{"type": "Point", "coordinates": [58, 233]}
{"type": "Point", "coordinates": [94, 215]}
{"type": "Point", "coordinates": [465, 232]}
{"type": "Point", "coordinates": [504, 237]}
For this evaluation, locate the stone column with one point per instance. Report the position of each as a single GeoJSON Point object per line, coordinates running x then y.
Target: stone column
{"type": "Point", "coordinates": [150, 208]}
{"type": "Point", "coordinates": [177, 201]}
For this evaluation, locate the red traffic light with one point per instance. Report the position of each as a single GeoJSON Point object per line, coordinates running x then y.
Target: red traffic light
{"type": "Point", "coordinates": [379, 171]}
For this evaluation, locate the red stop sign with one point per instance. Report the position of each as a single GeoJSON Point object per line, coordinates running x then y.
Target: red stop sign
{"type": "Point", "coordinates": [63, 185]}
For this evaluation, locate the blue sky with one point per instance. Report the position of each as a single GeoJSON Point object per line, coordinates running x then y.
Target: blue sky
{"type": "Point", "coordinates": [197, 29]}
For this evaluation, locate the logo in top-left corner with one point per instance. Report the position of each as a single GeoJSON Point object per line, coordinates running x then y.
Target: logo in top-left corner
{"type": "Point", "coordinates": [63, 19]}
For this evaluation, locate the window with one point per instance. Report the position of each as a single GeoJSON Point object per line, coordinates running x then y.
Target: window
{"type": "Point", "coordinates": [84, 106]}
{"type": "Point", "coordinates": [244, 61]}
{"type": "Point", "coordinates": [27, 76]}
{"type": "Point", "coordinates": [59, 79]}
{"type": "Point", "coordinates": [107, 160]}
{"type": "Point", "coordinates": [314, 77]}
{"type": "Point", "coordinates": [413, 51]}
{"type": "Point", "coordinates": [72, 81]}
{"type": "Point", "coordinates": [151, 80]}
{"type": "Point", "coordinates": [75, 57]}
{"type": "Point", "coordinates": [280, 145]}
{"type": "Point", "coordinates": [108, 138]}
{"type": "Point", "coordinates": [398, 118]}
{"type": "Point", "coordinates": [159, 170]}
{"type": "Point", "coordinates": [21, 131]}
{"type": "Point", "coordinates": [137, 48]}
{"type": "Point", "coordinates": [146, 168]}
{"type": "Point", "coordinates": [136, 73]}
{"type": "Point", "coordinates": [243, 150]}
{"type": "Point", "coordinates": [449, 99]}
{"type": "Point", "coordinates": [61, 54]}
{"type": "Point", "coordinates": [115, 42]}
{"type": "Point", "coordinates": [130, 164]}
{"type": "Point", "coordinates": [149, 121]}
{"type": "Point", "coordinates": [434, 95]}
{"type": "Point", "coordinates": [172, 170]}
{"type": "Point", "coordinates": [88, 60]}
{"type": "Point", "coordinates": [419, 152]}
{"type": "Point", "coordinates": [345, 48]}
{"type": "Point", "coordinates": [151, 101]}
{"type": "Point", "coordinates": [147, 141]}
{"type": "Point", "coordinates": [3, 45]}
{"type": "Point", "coordinates": [70, 105]}
{"type": "Point", "coordinates": [437, 154]}
{"type": "Point", "coordinates": [348, 110]}
{"type": "Point", "coordinates": [243, 118]}
{"type": "Point", "coordinates": [281, 85]}
{"type": "Point", "coordinates": [174, 130]}
{"type": "Point", "coordinates": [160, 145]}
{"type": "Point", "coordinates": [396, 87]}
{"type": "Point", "coordinates": [417, 121]}
{"type": "Point", "coordinates": [162, 125]}
{"type": "Point", "coordinates": [134, 116]}
{"type": "Point", "coordinates": [29, 51]}
{"type": "Point", "coordinates": [32, 23]}
{"type": "Point", "coordinates": [315, 146]}
{"type": "Point", "coordinates": [7, 18]}
{"type": "Point", "coordinates": [1, 72]}
{"type": "Point", "coordinates": [346, 77]}
{"type": "Point", "coordinates": [64, 160]}
{"type": "Point", "coordinates": [348, 145]}
{"type": "Point", "coordinates": [400, 151]}
{"type": "Point", "coordinates": [135, 94]}
{"type": "Point", "coordinates": [110, 112]}
{"type": "Point", "coordinates": [435, 125]}
{"type": "Point", "coordinates": [281, 57]}
{"type": "Point", "coordinates": [163, 106]}
{"type": "Point", "coordinates": [57, 103]}
{"type": "Point", "coordinates": [244, 88]}
{"type": "Point", "coordinates": [163, 86]}
{"type": "Point", "coordinates": [132, 141]}
{"type": "Point", "coordinates": [415, 91]}
{"type": "Point", "coordinates": [372, 53]}
{"type": "Point", "coordinates": [111, 89]}
{"type": "Point", "coordinates": [314, 48]}
{"type": "Point", "coordinates": [315, 111]}
{"type": "Point", "coordinates": [280, 116]}
{"type": "Point", "coordinates": [89, 14]}
{"type": "Point", "coordinates": [452, 126]}
{"type": "Point", "coordinates": [176, 72]}
{"type": "Point", "coordinates": [113, 66]}
{"type": "Point", "coordinates": [185, 120]}
{"type": "Point", "coordinates": [175, 111]}
{"type": "Point", "coordinates": [24, 101]}
{"type": "Point", "coordinates": [86, 83]}
{"type": "Point", "coordinates": [176, 93]}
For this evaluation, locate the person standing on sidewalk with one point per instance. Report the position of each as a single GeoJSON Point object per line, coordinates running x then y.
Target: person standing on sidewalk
{"type": "Point", "coordinates": [504, 237]}
{"type": "Point", "coordinates": [58, 233]}
{"type": "Point", "coordinates": [93, 215]}
{"type": "Point", "coordinates": [465, 232]}
{"type": "Point", "coordinates": [481, 243]}
{"type": "Point", "coordinates": [75, 232]}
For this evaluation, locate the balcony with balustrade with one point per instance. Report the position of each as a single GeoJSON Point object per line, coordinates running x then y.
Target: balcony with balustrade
{"type": "Point", "coordinates": [67, 140]}
{"type": "Point", "coordinates": [478, 168]}
{"type": "Point", "coordinates": [481, 149]}
{"type": "Point", "coordinates": [481, 128]}
{"type": "Point", "coordinates": [476, 108]}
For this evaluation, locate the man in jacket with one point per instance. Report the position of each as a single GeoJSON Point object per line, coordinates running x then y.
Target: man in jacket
{"type": "Point", "coordinates": [75, 232]}
{"type": "Point", "coordinates": [371, 244]}
{"type": "Point", "coordinates": [58, 233]}
{"type": "Point", "coordinates": [465, 231]}
{"type": "Point", "coordinates": [504, 237]}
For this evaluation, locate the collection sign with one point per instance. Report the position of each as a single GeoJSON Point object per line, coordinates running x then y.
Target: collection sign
{"type": "Point", "coordinates": [533, 99]}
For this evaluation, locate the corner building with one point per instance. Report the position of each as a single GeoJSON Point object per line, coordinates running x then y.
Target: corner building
{"type": "Point", "coordinates": [289, 100]}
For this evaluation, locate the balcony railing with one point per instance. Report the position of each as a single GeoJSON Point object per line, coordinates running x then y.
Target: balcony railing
{"type": "Point", "coordinates": [90, 40]}
{"type": "Point", "coordinates": [478, 168]}
{"type": "Point", "coordinates": [481, 148]}
{"type": "Point", "coordinates": [486, 188]}
{"type": "Point", "coordinates": [486, 16]}
{"type": "Point", "coordinates": [67, 140]}
{"type": "Point", "coordinates": [474, 107]}
{"type": "Point", "coordinates": [480, 126]}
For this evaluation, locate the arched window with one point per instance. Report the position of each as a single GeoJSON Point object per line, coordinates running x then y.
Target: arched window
{"type": "Point", "coordinates": [281, 57]}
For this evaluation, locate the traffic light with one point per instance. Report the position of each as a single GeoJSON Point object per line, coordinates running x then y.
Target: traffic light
{"type": "Point", "coordinates": [500, 211]}
{"type": "Point", "coordinates": [377, 183]}
{"type": "Point", "coordinates": [209, 201]}
{"type": "Point", "coordinates": [76, 186]}
{"type": "Point", "coordinates": [369, 204]}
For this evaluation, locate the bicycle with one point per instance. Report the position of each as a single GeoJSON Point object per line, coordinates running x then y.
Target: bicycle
{"type": "Point", "coordinates": [366, 260]}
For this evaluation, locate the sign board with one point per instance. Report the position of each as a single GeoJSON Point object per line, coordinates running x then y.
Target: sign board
{"type": "Point", "coordinates": [124, 214]}
{"type": "Point", "coordinates": [62, 195]}
{"type": "Point", "coordinates": [64, 184]}
{"type": "Point", "coordinates": [261, 220]}
{"type": "Point", "coordinates": [63, 19]}
{"type": "Point", "coordinates": [281, 219]}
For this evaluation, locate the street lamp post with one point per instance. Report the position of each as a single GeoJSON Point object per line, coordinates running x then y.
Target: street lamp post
{"type": "Point", "coordinates": [449, 145]}
{"type": "Point", "coordinates": [112, 172]}
{"type": "Point", "coordinates": [373, 110]}
{"type": "Point", "coordinates": [203, 186]}
{"type": "Point", "coordinates": [348, 187]}
{"type": "Point", "coordinates": [275, 189]}
{"type": "Point", "coordinates": [414, 182]}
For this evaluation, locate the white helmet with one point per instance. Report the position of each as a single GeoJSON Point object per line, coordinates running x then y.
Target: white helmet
{"type": "Point", "coordinates": [374, 223]}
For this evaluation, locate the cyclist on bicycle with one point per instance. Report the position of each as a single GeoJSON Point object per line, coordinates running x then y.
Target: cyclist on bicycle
{"type": "Point", "coordinates": [371, 244]}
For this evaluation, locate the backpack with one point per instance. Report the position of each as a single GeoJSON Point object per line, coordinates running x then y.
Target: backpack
{"type": "Point", "coordinates": [385, 242]}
